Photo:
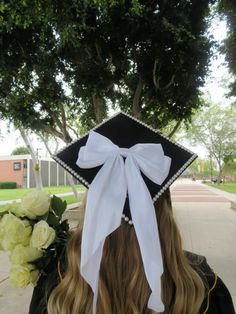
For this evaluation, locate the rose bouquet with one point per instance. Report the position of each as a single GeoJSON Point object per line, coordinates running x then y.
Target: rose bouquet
{"type": "Point", "coordinates": [33, 234]}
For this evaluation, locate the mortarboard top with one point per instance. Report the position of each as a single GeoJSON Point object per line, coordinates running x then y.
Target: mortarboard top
{"type": "Point", "coordinates": [126, 131]}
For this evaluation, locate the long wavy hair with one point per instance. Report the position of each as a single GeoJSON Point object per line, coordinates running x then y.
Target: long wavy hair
{"type": "Point", "coordinates": [123, 288]}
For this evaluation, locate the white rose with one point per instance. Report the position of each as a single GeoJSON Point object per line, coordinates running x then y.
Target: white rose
{"type": "Point", "coordinates": [42, 235]}
{"type": "Point", "coordinates": [35, 204]}
{"type": "Point", "coordinates": [22, 275]}
{"type": "Point", "coordinates": [16, 209]}
{"type": "Point", "coordinates": [14, 231]}
{"type": "Point", "coordinates": [24, 254]}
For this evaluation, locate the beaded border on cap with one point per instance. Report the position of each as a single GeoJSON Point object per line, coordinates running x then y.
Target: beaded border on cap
{"type": "Point", "coordinates": [178, 173]}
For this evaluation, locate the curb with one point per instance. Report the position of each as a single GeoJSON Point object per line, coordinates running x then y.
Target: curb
{"type": "Point", "coordinates": [233, 205]}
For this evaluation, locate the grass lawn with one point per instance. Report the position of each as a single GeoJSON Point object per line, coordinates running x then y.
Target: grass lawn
{"type": "Point", "coordinates": [12, 194]}
{"type": "Point", "coordinates": [70, 199]}
{"type": "Point", "coordinates": [227, 187]}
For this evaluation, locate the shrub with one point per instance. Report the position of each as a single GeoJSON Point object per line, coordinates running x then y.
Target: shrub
{"type": "Point", "coordinates": [8, 185]}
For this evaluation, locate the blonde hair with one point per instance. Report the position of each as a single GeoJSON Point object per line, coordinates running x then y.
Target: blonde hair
{"type": "Point", "coordinates": [123, 288]}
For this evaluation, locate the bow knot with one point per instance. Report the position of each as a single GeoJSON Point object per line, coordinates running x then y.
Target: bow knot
{"type": "Point", "coordinates": [124, 152]}
{"type": "Point", "coordinates": [105, 203]}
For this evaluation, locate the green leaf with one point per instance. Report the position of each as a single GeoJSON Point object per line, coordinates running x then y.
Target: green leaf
{"type": "Point", "coordinates": [65, 225]}
{"type": "Point", "coordinates": [52, 220]}
{"type": "Point", "coordinates": [58, 206]}
{"type": "Point", "coordinates": [42, 262]}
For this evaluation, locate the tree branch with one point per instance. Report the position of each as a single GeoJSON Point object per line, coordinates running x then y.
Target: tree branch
{"type": "Point", "coordinates": [73, 130]}
{"type": "Point", "coordinates": [155, 81]}
{"type": "Point", "coordinates": [63, 116]}
{"type": "Point", "coordinates": [175, 128]}
{"type": "Point", "coordinates": [45, 143]}
{"type": "Point", "coordinates": [35, 162]}
{"type": "Point", "coordinates": [170, 82]}
{"type": "Point", "coordinates": [98, 50]}
{"type": "Point", "coordinates": [61, 125]}
{"type": "Point", "coordinates": [55, 118]}
{"type": "Point", "coordinates": [53, 131]}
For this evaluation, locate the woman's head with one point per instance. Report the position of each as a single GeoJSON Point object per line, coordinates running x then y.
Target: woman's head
{"type": "Point", "coordinates": [123, 287]}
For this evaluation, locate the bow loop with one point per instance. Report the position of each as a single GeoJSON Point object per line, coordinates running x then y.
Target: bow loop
{"type": "Point", "coordinates": [152, 161]}
{"type": "Point", "coordinates": [97, 150]}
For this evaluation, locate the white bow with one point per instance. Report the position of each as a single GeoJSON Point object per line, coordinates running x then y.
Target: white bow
{"type": "Point", "coordinates": [105, 204]}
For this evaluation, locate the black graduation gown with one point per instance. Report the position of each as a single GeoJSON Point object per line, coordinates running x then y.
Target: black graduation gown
{"type": "Point", "coordinates": [218, 299]}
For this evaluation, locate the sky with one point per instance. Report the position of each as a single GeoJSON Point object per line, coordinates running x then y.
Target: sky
{"type": "Point", "coordinates": [213, 89]}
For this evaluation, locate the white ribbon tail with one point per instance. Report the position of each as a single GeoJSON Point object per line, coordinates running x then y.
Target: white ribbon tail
{"type": "Point", "coordinates": [102, 217]}
{"type": "Point", "coordinates": [145, 224]}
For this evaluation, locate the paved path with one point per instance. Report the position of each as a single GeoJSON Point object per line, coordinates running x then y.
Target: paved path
{"type": "Point", "coordinates": [208, 227]}
{"type": "Point", "coordinates": [187, 191]}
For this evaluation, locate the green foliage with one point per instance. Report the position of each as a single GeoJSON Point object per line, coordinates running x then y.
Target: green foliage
{"type": "Point", "coordinates": [58, 206]}
{"type": "Point", "coordinates": [227, 187]}
{"type": "Point", "coordinates": [63, 60]}
{"type": "Point", "coordinates": [229, 167]}
{"type": "Point", "coordinates": [215, 129]}
{"type": "Point", "coordinates": [21, 150]}
{"type": "Point", "coordinates": [202, 168]}
{"type": "Point", "coordinates": [228, 10]}
{"type": "Point", "coordinates": [8, 185]}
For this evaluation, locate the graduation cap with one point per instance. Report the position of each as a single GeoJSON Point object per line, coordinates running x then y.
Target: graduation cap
{"type": "Point", "coordinates": [126, 131]}
{"type": "Point", "coordinates": [126, 165]}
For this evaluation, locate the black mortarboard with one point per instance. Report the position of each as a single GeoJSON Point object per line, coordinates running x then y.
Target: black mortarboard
{"type": "Point", "coordinates": [126, 131]}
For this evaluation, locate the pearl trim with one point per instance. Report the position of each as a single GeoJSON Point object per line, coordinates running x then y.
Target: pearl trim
{"type": "Point", "coordinates": [148, 127]}
{"type": "Point", "coordinates": [126, 219]}
{"type": "Point", "coordinates": [71, 171]}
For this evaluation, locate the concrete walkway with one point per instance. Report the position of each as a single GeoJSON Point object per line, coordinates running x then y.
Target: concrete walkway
{"type": "Point", "coordinates": [208, 227]}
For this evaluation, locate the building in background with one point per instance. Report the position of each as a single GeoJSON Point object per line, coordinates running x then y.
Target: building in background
{"type": "Point", "coordinates": [19, 169]}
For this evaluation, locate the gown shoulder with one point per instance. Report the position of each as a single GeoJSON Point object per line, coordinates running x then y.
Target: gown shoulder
{"type": "Point", "coordinates": [46, 283]}
{"type": "Point", "coordinates": [218, 299]}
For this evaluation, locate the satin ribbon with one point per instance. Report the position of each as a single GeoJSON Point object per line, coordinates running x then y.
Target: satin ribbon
{"type": "Point", "coordinates": [105, 204]}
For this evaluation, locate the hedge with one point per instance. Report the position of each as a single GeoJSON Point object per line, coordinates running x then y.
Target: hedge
{"type": "Point", "coordinates": [8, 185]}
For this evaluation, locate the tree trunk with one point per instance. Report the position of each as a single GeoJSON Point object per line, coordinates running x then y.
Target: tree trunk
{"type": "Point", "coordinates": [36, 168]}
{"type": "Point", "coordinates": [98, 108]}
{"type": "Point", "coordinates": [211, 167]}
{"type": "Point", "coordinates": [136, 107]}
{"type": "Point", "coordinates": [219, 173]}
{"type": "Point", "coordinates": [73, 186]}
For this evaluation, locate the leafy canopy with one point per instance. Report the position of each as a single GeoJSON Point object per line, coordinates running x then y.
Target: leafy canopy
{"type": "Point", "coordinates": [215, 129]}
{"type": "Point", "coordinates": [21, 150]}
{"type": "Point", "coordinates": [228, 10]}
{"type": "Point", "coordinates": [63, 60]}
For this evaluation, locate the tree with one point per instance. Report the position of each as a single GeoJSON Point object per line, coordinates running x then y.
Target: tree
{"type": "Point", "coordinates": [202, 169]}
{"type": "Point", "coordinates": [74, 59]}
{"type": "Point", "coordinates": [230, 165]}
{"type": "Point", "coordinates": [215, 129]}
{"type": "Point", "coordinates": [227, 8]}
{"type": "Point", "coordinates": [21, 150]}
